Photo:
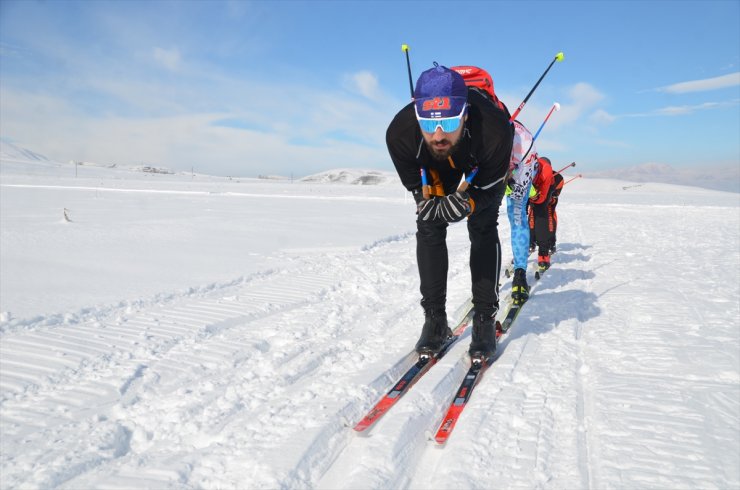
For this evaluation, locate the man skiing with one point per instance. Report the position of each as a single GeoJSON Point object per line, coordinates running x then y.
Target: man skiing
{"type": "Point", "coordinates": [557, 185]}
{"type": "Point", "coordinates": [543, 219]}
{"type": "Point", "coordinates": [523, 168]}
{"type": "Point", "coordinates": [448, 131]}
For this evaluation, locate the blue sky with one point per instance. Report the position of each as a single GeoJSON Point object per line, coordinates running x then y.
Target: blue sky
{"type": "Point", "coordinates": [283, 87]}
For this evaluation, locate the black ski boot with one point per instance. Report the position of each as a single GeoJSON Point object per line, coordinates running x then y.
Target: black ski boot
{"type": "Point", "coordinates": [483, 345]}
{"type": "Point", "coordinates": [519, 287]}
{"type": "Point", "coordinates": [434, 333]}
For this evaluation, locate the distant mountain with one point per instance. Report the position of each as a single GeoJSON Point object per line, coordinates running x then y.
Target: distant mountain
{"type": "Point", "coordinates": [353, 176]}
{"type": "Point", "coordinates": [9, 151]}
{"type": "Point", "coordinates": [723, 178]}
{"type": "Point", "coordinates": [17, 154]}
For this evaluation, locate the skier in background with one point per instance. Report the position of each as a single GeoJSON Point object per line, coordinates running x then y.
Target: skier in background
{"type": "Point", "coordinates": [558, 183]}
{"type": "Point", "coordinates": [543, 221]}
{"type": "Point", "coordinates": [523, 169]}
{"type": "Point", "coordinates": [448, 131]}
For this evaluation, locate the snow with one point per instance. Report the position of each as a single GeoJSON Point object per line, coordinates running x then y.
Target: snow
{"type": "Point", "coordinates": [187, 331]}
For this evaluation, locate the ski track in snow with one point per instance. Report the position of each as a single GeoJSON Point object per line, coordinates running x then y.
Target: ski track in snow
{"type": "Point", "coordinates": [224, 373]}
{"type": "Point", "coordinates": [256, 383]}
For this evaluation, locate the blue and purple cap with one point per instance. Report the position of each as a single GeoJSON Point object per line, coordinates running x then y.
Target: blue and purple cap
{"type": "Point", "coordinates": [440, 92]}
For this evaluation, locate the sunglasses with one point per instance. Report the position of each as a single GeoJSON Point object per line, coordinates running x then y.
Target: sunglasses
{"type": "Point", "coordinates": [448, 124]}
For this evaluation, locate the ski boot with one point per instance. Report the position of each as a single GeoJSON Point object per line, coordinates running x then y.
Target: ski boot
{"type": "Point", "coordinates": [543, 262]}
{"type": "Point", "coordinates": [483, 345]}
{"type": "Point", "coordinates": [434, 333]}
{"type": "Point", "coordinates": [519, 287]}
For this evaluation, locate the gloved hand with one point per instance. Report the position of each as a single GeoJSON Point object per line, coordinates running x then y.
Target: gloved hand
{"type": "Point", "coordinates": [454, 207]}
{"type": "Point", "coordinates": [427, 209]}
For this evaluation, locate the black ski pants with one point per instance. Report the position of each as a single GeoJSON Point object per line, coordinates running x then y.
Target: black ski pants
{"type": "Point", "coordinates": [485, 258]}
{"type": "Point", "coordinates": [545, 223]}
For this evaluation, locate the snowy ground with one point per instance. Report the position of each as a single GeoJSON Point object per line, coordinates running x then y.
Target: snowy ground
{"type": "Point", "coordinates": [195, 332]}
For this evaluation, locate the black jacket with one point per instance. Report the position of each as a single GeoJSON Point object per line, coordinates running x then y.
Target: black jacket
{"type": "Point", "coordinates": [485, 142]}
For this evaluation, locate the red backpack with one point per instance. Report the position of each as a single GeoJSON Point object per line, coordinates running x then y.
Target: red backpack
{"type": "Point", "coordinates": [481, 79]}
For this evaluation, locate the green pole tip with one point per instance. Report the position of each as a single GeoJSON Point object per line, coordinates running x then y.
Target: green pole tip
{"type": "Point", "coordinates": [404, 47]}
{"type": "Point", "coordinates": [560, 56]}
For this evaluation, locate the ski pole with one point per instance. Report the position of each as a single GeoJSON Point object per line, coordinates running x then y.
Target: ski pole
{"type": "Point", "coordinates": [555, 107]}
{"type": "Point", "coordinates": [571, 164]}
{"type": "Point", "coordinates": [574, 178]}
{"type": "Point", "coordinates": [558, 57]}
{"type": "Point", "coordinates": [405, 49]}
{"type": "Point", "coordinates": [465, 183]}
{"type": "Point", "coordinates": [425, 190]}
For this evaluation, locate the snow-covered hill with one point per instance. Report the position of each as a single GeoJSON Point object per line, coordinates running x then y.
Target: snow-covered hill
{"type": "Point", "coordinates": [354, 176]}
{"type": "Point", "coordinates": [184, 332]}
{"type": "Point", "coordinates": [10, 152]}
{"type": "Point", "coordinates": [717, 177]}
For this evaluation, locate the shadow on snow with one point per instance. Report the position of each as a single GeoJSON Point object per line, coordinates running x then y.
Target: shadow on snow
{"type": "Point", "coordinates": [549, 307]}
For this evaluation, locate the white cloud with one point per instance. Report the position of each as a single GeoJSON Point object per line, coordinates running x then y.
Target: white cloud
{"type": "Point", "coordinates": [724, 81]}
{"type": "Point", "coordinates": [687, 109]}
{"type": "Point", "coordinates": [580, 100]}
{"type": "Point", "coordinates": [601, 117]}
{"type": "Point", "coordinates": [585, 95]}
{"type": "Point", "coordinates": [545, 145]}
{"type": "Point", "coordinates": [365, 83]}
{"type": "Point", "coordinates": [168, 58]}
{"type": "Point", "coordinates": [612, 143]}
{"type": "Point", "coordinates": [683, 110]}
{"type": "Point", "coordinates": [330, 132]}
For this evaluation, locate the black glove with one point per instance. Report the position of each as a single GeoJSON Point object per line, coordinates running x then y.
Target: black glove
{"type": "Point", "coordinates": [418, 194]}
{"type": "Point", "coordinates": [454, 207]}
{"type": "Point", "coordinates": [427, 209]}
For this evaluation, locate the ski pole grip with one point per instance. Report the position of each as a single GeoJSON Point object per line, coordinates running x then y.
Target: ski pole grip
{"type": "Point", "coordinates": [425, 191]}
{"type": "Point", "coordinates": [468, 180]}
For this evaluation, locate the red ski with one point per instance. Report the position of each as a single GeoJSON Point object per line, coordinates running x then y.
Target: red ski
{"type": "Point", "coordinates": [413, 375]}
{"type": "Point", "coordinates": [477, 368]}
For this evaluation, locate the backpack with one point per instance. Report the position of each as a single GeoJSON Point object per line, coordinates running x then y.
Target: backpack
{"type": "Point", "coordinates": [480, 79]}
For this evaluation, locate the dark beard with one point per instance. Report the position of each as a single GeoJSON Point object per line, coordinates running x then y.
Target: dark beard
{"type": "Point", "coordinates": [443, 155]}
